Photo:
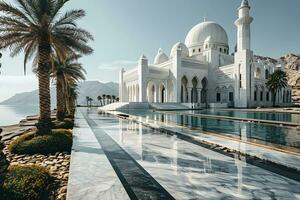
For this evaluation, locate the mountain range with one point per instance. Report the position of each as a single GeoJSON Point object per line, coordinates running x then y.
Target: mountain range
{"type": "Point", "coordinates": [88, 88]}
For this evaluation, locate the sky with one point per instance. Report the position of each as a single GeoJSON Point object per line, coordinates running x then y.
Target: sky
{"type": "Point", "coordinates": [126, 29]}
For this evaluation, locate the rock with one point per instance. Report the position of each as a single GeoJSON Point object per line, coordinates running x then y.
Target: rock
{"type": "Point", "coordinates": [3, 162]}
{"type": "Point", "coordinates": [61, 197]}
{"type": "Point", "coordinates": [49, 162]}
{"type": "Point", "coordinates": [292, 67]}
{"type": "Point", "coordinates": [63, 190]}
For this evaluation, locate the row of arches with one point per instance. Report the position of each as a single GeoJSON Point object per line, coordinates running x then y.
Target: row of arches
{"type": "Point", "coordinates": [161, 92]}
{"type": "Point", "coordinates": [262, 94]}
{"type": "Point", "coordinates": [197, 93]}
{"type": "Point", "coordinates": [133, 92]}
{"type": "Point", "coordinates": [258, 74]}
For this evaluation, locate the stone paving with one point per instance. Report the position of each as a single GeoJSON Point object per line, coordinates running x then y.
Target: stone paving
{"type": "Point", "coordinates": [109, 153]}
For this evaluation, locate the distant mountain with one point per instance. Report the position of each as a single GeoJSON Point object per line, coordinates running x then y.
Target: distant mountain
{"type": "Point", "coordinates": [292, 66]}
{"type": "Point", "coordinates": [88, 88]}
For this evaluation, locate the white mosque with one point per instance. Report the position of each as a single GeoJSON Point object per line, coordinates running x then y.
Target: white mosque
{"type": "Point", "coordinates": [202, 73]}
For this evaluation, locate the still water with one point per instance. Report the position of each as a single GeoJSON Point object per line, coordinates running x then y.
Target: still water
{"type": "Point", "coordinates": [13, 114]}
{"type": "Point", "coordinates": [275, 116]}
{"type": "Point", "coordinates": [259, 133]}
{"type": "Point", "coordinates": [189, 171]}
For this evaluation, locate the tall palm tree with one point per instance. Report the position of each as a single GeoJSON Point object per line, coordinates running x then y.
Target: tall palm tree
{"type": "Point", "coordinates": [277, 81]}
{"type": "Point", "coordinates": [37, 28]}
{"type": "Point", "coordinates": [108, 98]}
{"type": "Point", "coordinates": [72, 94]}
{"type": "Point", "coordinates": [113, 98]}
{"type": "Point", "coordinates": [91, 101]}
{"type": "Point", "coordinates": [104, 99]}
{"type": "Point", "coordinates": [87, 100]}
{"type": "Point", "coordinates": [99, 98]}
{"type": "Point", "coordinates": [67, 72]}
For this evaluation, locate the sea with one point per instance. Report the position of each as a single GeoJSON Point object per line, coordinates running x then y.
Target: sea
{"type": "Point", "coordinates": [10, 115]}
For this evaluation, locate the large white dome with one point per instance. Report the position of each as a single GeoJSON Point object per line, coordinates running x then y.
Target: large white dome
{"type": "Point", "coordinates": [199, 33]}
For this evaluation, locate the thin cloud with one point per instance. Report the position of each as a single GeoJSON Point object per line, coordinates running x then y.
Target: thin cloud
{"type": "Point", "coordinates": [117, 65]}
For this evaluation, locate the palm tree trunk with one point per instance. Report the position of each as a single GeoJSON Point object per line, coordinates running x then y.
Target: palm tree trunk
{"type": "Point", "coordinates": [61, 103]}
{"type": "Point", "coordinates": [274, 99]}
{"type": "Point", "coordinates": [44, 125]}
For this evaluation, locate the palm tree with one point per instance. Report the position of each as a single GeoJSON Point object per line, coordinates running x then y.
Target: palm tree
{"type": "Point", "coordinates": [113, 98]}
{"type": "Point", "coordinates": [91, 101]}
{"type": "Point", "coordinates": [108, 99]}
{"type": "Point", "coordinates": [104, 98]}
{"type": "Point", "coordinates": [277, 81]}
{"type": "Point", "coordinates": [37, 28]}
{"type": "Point", "coordinates": [99, 98]}
{"type": "Point", "coordinates": [66, 72]}
{"type": "Point", "coordinates": [87, 100]}
{"type": "Point", "coordinates": [71, 94]}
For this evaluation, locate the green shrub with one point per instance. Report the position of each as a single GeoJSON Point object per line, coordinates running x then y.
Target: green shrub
{"type": "Point", "coordinates": [60, 140]}
{"type": "Point", "coordinates": [26, 182]}
{"type": "Point", "coordinates": [68, 123]}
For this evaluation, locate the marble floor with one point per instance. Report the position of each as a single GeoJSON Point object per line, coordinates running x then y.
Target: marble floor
{"type": "Point", "coordinates": [176, 168]}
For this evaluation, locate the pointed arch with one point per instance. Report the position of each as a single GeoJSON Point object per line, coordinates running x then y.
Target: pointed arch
{"type": "Point", "coordinates": [184, 92]}
{"type": "Point", "coordinates": [194, 93]}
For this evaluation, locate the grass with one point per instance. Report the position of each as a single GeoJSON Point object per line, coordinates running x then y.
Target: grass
{"type": "Point", "coordinates": [60, 140]}
{"type": "Point", "coordinates": [26, 182]}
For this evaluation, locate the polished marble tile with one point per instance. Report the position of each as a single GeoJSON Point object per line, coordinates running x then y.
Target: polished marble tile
{"type": "Point", "coordinates": [91, 175]}
{"type": "Point", "coordinates": [188, 171]}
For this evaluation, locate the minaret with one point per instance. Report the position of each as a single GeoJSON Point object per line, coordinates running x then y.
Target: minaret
{"type": "Point", "coordinates": [142, 72]}
{"type": "Point", "coordinates": [243, 58]}
{"type": "Point", "coordinates": [243, 26]}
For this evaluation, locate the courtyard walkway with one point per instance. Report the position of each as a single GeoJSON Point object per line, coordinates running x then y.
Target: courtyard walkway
{"type": "Point", "coordinates": [120, 159]}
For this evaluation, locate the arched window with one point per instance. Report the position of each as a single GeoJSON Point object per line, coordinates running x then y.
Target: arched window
{"type": "Point", "coordinates": [257, 73]}
{"type": "Point", "coordinates": [267, 74]}
{"type": "Point", "coordinates": [206, 46]}
{"type": "Point", "coordinates": [199, 49]}
{"type": "Point", "coordinates": [220, 49]}
{"type": "Point", "coordinates": [194, 50]}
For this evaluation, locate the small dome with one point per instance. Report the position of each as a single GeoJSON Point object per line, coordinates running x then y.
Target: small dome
{"type": "Point", "coordinates": [199, 33]}
{"type": "Point", "coordinates": [182, 47]}
{"type": "Point", "coordinates": [161, 57]}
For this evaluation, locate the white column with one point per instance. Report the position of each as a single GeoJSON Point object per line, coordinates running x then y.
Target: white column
{"type": "Point", "coordinates": [189, 95]}
{"type": "Point", "coordinates": [156, 93]}
{"type": "Point", "coordinates": [199, 95]}
{"type": "Point", "coordinates": [166, 91]}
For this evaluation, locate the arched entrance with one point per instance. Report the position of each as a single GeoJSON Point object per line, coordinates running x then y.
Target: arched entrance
{"type": "Point", "coordinates": [162, 90]}
{"type": "Point", "coordinates": [184, 93]}
{"type": "Point", "coordinates": [204, 83]}
{"type": "Point", "coordinates": [194, 94]}
{"type": "Point", "coordinates": [150, 92]}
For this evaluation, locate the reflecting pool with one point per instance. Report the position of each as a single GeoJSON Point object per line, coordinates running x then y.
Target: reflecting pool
{"type": "Point", "coordinates": [189, 171]}
{"type": "Point", "coordinates": [274, 116]}
{"type": "Point", "coordinates": [260, 133]}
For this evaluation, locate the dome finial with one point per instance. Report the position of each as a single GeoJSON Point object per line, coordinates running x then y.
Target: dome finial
{"type": "Point", "coordinates": [245, 3]}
